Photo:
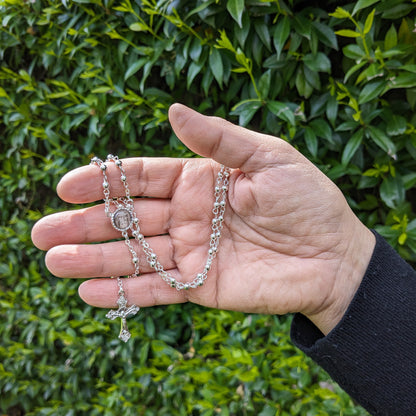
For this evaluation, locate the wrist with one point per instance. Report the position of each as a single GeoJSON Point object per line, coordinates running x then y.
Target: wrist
{"type": "Point", "coordinates": [357, 249]}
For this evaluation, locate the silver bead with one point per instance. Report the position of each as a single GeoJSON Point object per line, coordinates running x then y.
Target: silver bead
{"type": "Point", "coordinates": [105, 185]}
{"type": "Point", "coordinates": [118, 162]}
{"type": "Point", "coordinates": [135, 260]}
{"type": "Point", "coordinates": [172, 282]}
{"type": "Point", "coordinates": [123, 178]}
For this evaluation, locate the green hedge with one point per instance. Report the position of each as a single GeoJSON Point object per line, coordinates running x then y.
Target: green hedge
{"type": "Point", "coordinates": [338, 81]}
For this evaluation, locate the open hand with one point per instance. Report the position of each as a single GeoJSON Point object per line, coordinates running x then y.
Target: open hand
{"type": "Point", "coordinates": [290, 242]}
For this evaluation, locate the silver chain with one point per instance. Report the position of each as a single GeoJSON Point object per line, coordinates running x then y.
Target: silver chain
{"type": "Point", "coordinates": [123, 218]}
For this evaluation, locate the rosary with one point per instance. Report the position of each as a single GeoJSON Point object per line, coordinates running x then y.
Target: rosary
{"type": "Point", "coordinates": [123, 218]}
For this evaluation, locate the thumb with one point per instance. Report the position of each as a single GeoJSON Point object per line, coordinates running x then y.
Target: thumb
{"type": "Point", "coordinates": [231, 145]}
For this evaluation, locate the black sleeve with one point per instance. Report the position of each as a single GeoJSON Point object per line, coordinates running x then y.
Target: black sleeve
{"type": "Point", "coordinates": [371, 353]}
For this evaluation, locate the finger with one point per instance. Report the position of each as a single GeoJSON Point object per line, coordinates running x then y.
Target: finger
{"type": "Point", "coordinates": [105, 260]}
{"type": "Point", "coordinates": [231, 145]}
{"type": "Point", "coordinates": [90, 225]}
{"type": "Point", "coordinates": [143, 291]}
{"type": "Point", "coordinates": [151, 177]}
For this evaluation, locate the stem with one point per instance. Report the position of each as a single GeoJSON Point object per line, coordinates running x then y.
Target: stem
{"type": "Point", "coordinates": [253, 81]}
{"type": "Point", "coordinates": [362, 35]}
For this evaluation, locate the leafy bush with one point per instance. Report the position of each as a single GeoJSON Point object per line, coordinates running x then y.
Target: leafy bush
{"type": "Point", "coordinates": [338, 81]}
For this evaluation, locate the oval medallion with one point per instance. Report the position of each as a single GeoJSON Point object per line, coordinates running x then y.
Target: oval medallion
{"type": "Point", "coordinates": [122, 219]}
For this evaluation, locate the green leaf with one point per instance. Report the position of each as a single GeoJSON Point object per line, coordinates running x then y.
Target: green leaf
{"type": "Point", "coordinates": [246, 110]}
{"type": "Point", "coordinates": [281, 34]}
{"type": "Point", "coordinates": [371, 72]}
{"type": "Point", "coordinates": [138, 27]}
{"type": "Point", "coordinates": [241, 33]}
{"type": "Point", "coordinates": [326, 35]}
{"type": "Point", "coordinates": [332, 109]}
{"type": "Point", "coordinates": [390, 40]}
{"type": "Point", "coordinates": [262, 31]}
{"type": "Point", "coordinates": [302, 26]}
{"type": "Point", "coordinates": [402, 238]}
{"type": "Point", "coordinates": [239, 70]}
{"type": "Point", "coordinates": [236, 9]}
{"type": "Point", "coordinates": [409, 68]}
{"type": "Point", "coordinates": [300, 83]}
{"type": "Point", "coordinates": [409, 181]}
{"type": "Point", "coordinates": [321, 128]}
{"type": "Point", "coordinates": [354, 52]}
{"type": "Point", "coordinates": [392, 191]}
{"type": "Point", "coordinates": [3, 93]}
{"type": "Point", "coordinates": [398, 11]}
{"type": "Point", "coordinates": [352, 146]}
{"type": "Point", "coordinates": [353, 70]}
{"type": "Point", "coordinates": [199, 9]}
{"type": "Point", "coordinates": [264, 84]}
{"type": "Point", "coordinates": [193, 70]}
{"type": "Point", "coordinates": [135, 67]}
{"type": "Point", "coordinates": [371, 91]}
{"type": "Point", "coordinates": [382, 140]}
{"type": "Point", "coordinates": [347, 33]}
{"type": "Point", "coordinates": [317, 62]}
{"type": "Point", "coordinates": [216, 65]}
{"type": "Point", "coordinates": [340, 13]}
{"type": "Point", "coordinates": [101, 89]}
{"type": "Point", "coordinates": [282, 111]}
{"type": "Point", "coordinates": [311, 141]}
{"type": "Point", "coordinates": [396, 125]}
{"type": "Point", "coordinates": [402, 81]}
{"type": "Point", "coordinates": [362, 4]}
{"type": "Point", "coordinates": [369, 22]}
{"type": "Point", "coordinates": [224, 42]}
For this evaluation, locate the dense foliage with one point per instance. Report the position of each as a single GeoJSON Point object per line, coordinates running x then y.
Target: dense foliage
{"type": "Point", "coordinates": [337, 80]}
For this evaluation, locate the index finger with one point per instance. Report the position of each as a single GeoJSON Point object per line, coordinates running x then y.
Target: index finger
{"type": "Point", "coordinates": [151, 177]}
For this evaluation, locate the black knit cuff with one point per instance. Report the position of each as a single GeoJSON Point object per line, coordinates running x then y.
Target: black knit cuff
{"type": "Point", "coordinates": [371, 353]}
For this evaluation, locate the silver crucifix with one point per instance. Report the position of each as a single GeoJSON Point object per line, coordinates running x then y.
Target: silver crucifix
{"type": "Point", "coordinates": [122, 312]}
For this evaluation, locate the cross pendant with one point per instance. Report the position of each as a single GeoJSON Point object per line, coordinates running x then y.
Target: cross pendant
{"type": "Point", "coordinates": [123, 312]}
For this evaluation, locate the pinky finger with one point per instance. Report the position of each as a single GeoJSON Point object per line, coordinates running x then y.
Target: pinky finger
{"type": "Point", "coordinates": [146, 290]}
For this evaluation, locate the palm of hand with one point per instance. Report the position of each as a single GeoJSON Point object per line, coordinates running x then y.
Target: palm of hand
{"type": "Point", "coordinates": [276, 244]}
